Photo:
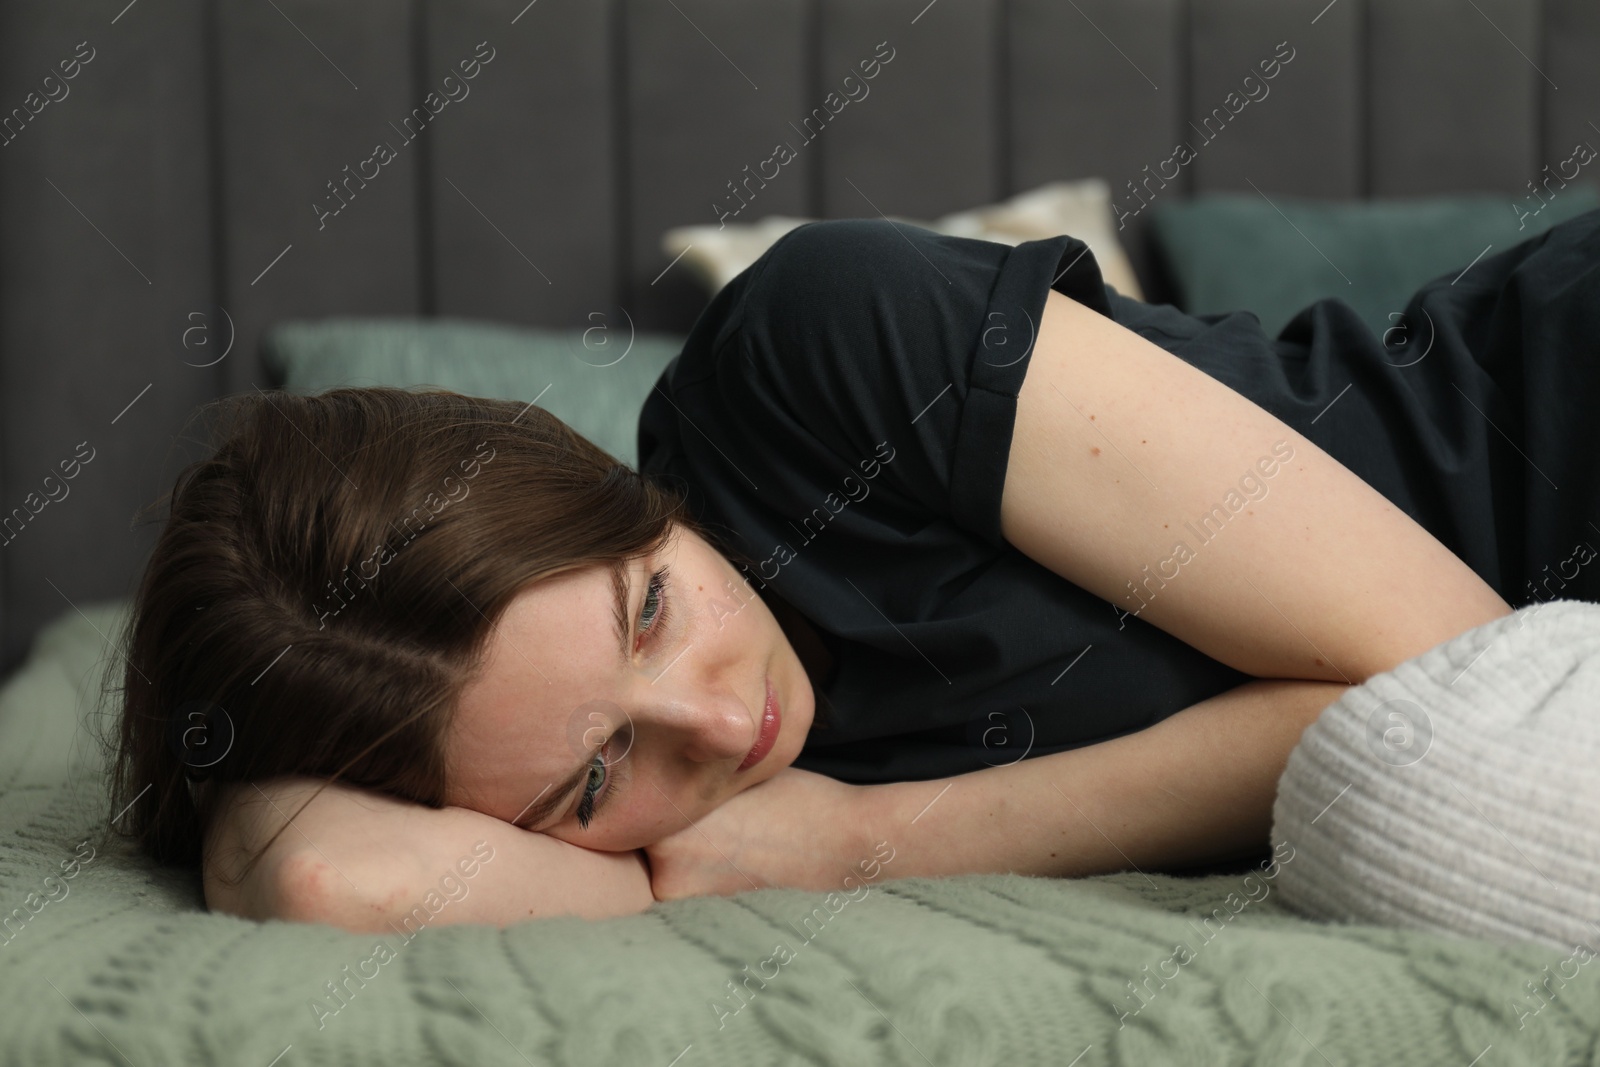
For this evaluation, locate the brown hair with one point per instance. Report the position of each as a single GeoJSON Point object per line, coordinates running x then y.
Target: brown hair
{"type": "Point", "coordinates": [325, 587]}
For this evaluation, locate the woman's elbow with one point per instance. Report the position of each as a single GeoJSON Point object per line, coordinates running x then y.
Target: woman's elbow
{"type": "Point", "coordinates": [307, 888]}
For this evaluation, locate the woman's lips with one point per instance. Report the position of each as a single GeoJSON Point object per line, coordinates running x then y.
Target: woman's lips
{"type": "Point", "coordinates": [771, 721]}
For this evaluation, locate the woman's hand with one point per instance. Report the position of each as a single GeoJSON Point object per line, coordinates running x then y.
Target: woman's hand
{"type": "Point", "coordinates": [797, 829]}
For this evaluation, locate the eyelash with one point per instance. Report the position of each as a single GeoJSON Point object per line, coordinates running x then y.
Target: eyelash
{"type": "Point", "coordinates": [586, 804]}
{"type": "Point", "coordinates": [658, 586]}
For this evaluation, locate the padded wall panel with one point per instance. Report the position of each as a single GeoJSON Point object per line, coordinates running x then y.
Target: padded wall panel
{"type": "Point", "coordinates": [1455, 96]}
{"type": "Point", "coordinates": [523, 172]}
{"type": "Point", "coordinates": [1245, 128]}
{"type": "Point", "coordinates": [1121, 54]}
{"type": "Point", "coordinates": [712, 86]}
{"type": "Point", "coordinates": [1449, 101]}
{"type": "Point", "coordinates": [309, 89]}
{"type": "Point", "coordinates": [104, 251]}
{"type": "Point", "coordinates": [924, 140]}
{"type": "Point", "coordinates": [1572, 111]}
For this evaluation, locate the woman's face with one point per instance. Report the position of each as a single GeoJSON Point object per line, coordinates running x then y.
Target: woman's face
{"type": "Point", "coordinates": [656, 733]}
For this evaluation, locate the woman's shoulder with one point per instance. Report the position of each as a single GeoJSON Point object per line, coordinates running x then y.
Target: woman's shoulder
{"type": "Point", "coordinates": [850, 339]}
{"type": "Point", "coordinates": [800, 355]}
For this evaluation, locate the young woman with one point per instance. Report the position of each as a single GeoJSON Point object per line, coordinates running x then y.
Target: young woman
{"type": "Point", "coordinates": [940, 551]}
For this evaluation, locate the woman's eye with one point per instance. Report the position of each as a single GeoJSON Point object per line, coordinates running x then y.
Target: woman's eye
{"type": "Point", "coordinates": [603, 782]}
{"type": "Point", "coordinates": [591, 788]}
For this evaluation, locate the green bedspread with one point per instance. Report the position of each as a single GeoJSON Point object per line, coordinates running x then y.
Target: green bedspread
{"type": "Point", "coordinates": [107, 959]}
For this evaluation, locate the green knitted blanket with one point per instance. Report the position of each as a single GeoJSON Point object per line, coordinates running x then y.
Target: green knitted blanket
{"type": "Point", "coordinates": [107, 959]}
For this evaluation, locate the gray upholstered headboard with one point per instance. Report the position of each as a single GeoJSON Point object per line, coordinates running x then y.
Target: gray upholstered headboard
{"type": "Point", "coordinates": [177, 191]}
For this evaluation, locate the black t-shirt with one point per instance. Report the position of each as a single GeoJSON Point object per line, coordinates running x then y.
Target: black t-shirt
{"type": "Point", "coordinates": [841, 416]}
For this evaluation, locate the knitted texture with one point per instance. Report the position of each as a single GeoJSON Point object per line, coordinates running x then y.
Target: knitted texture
{"type": "Point", "coordinates": [126, 968]}
{"type": "Point", "coordinates": [1460, 791]}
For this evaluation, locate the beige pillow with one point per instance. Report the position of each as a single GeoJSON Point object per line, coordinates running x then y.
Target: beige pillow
{"type": "Point", "coordinates": [1080, 209]}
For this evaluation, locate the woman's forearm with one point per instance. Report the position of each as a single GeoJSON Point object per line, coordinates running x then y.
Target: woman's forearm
{"type": "Point", "coordinates": [519, 875]}
{"type": "Point", "coordinates": [368, 862]}
{"type": "Point", "coordinates": [1196, 786]}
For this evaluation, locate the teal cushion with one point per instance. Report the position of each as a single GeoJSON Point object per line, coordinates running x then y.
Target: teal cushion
{"type": "Point", "coordinates": [1232, 252]}
{"type": "Point", "coordinates": [593, 380]}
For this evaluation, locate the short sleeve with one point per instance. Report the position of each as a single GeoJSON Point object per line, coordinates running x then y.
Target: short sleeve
{"type": "Point", "coordinates": [839, 420]}
{"type": "Point", "coordinates": [874, 334]}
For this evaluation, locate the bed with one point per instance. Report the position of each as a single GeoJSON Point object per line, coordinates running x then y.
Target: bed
{"type": "Point", "coordinates": [106, 958]}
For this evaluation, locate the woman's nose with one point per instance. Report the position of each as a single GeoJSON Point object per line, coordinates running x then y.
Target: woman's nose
{"type": "Point", "coordinates": [708, 727]}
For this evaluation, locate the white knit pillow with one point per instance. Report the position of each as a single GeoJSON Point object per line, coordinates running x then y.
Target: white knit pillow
{"type": "Point", "coordinates": [1081, 209]}
{"type": "Point", "coordinates": [1460, 791]}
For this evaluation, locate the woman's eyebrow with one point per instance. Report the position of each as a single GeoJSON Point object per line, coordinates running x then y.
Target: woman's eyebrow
{"type": "Point", "coordinates": [620, 591]}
